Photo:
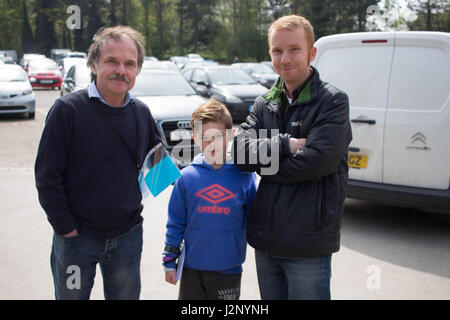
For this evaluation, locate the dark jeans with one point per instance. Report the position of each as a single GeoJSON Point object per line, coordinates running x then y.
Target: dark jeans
{"type": "Point", "coordinates": [293, 278]}
{"type": "Point", "coordinates": [209, 285]}
{"type": "Point", "coordinates": [74, 261]}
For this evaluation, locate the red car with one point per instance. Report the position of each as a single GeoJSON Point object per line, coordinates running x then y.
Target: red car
{"type": "Point", "coordinates": [44, 73]}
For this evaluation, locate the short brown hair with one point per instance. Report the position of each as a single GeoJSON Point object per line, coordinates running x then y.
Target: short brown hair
{"type": "Point", "coordinates": [293, 22]}
{"type": "Point", "coordinates": [114, 33]}
{"type": "Point", "coordinates": [212, 110]}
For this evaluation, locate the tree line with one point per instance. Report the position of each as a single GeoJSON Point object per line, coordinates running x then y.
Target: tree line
{"type": "Point", "coordinates": [216, 29]}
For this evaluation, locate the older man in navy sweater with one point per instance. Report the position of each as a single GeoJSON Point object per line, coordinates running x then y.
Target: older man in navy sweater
{"type": "Point", "coordinates": [87, 168]}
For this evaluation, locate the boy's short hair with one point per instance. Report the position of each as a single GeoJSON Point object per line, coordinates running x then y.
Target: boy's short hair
{"type": "Point", "coordinates": [293, 22]}
{"type": "Point", "coordinates": [212, 110]}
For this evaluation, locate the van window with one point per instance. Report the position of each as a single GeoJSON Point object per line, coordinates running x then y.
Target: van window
{"type": "Point", "coordinates": [361, 72]}
{"type": "Point", "coordinates": [420, 78]}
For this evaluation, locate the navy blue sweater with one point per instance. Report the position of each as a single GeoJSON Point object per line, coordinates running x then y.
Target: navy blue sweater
{"type": "Point", "coordinates": [86, 178]}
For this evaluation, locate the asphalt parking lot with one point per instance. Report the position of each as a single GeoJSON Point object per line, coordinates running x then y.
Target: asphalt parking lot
{"type": "Point", "coordinates": [386, 252]}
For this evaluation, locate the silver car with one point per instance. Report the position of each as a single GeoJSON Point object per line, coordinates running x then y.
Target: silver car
{"type": "Point", "coordinates": [16, 94]}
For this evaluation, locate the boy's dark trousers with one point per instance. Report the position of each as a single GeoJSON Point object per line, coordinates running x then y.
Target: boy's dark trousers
{"type": "Point", "coordinates": [209, 285]}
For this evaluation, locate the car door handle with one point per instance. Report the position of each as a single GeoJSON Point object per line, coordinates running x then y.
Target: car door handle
{"type": "Point", "coordinates": [359, 120]}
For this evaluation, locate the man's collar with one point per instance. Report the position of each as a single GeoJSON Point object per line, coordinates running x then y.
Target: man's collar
{"type": "Point", "coordinates": [94, 93]}
{"type": "Point", "coordinates": [299, 89]}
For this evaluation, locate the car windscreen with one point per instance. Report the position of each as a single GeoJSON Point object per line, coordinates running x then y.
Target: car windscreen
{"type": "Point", "coordinates": [43, 65]}
{"type": "Point", "coordinates": [230, 77]}
{"type": "Point", "coordinates": [260, 68]}
{"type": "Point", "coordinates": [8, 75]}
{"type": "Point", "coordinates": [161, 84]}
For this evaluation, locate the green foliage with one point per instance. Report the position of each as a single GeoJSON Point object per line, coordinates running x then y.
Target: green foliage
{"type": "Point", "coordinates": [432, 15]}
{"type": "Point", "coordinates": [216, 29]}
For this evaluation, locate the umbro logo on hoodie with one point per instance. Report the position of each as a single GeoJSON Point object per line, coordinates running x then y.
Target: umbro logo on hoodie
{"type": "Point", "coordinates": [214, 194]}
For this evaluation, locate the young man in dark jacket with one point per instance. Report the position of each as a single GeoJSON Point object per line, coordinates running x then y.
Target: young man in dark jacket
{"type": "Point", "coordinates": [87, 168]}
{"type": "Point", "coordinates": [294, 224]}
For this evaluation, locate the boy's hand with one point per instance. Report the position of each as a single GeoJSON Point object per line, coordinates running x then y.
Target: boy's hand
{"type": "Point", "coordinates": [171, 277]}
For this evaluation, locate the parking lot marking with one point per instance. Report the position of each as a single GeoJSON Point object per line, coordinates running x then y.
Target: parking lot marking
{"type": "Point", "coordinates": [43, 112]}
{"type": "Point", "coordinates": [3, 169]}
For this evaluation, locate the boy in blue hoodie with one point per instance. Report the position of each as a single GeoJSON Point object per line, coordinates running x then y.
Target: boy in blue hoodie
{"type": "Point", "coordinates": [208, 209]}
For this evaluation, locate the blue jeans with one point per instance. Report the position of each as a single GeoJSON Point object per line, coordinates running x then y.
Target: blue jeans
{"type": "Point", "coordinates": [293, 278]}
{"type": "Point", "coordinates": [74, 260]}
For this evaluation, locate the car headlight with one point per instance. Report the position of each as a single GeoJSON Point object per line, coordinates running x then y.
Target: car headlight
{"type": "Point", "coordinates": [233, 99]}
{"type": "Point", "coordinates": [58, 73]}
{"type": "Point", "coordinates": [27, 92]}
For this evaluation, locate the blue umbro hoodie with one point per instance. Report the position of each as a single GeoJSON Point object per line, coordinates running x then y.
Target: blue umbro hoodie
{"type": "Point", "coordinates": [208, 209]}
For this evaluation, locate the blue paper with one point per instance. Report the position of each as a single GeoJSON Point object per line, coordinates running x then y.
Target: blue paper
{"type": "Point", "coordinates": [158, 172]}
{"type": "Point", "coordinates": [161, 175]}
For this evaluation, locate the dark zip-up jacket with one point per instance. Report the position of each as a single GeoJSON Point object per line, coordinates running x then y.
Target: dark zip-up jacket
{"type": "Point", "coordinates": [297, 211]}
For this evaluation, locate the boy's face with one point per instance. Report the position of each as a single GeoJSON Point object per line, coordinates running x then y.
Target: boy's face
{"type": "Point", "coordinates": [212, 138]}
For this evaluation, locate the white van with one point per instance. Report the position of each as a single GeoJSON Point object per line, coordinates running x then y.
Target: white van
{"type": "Point", "coordinates": [398, 84]}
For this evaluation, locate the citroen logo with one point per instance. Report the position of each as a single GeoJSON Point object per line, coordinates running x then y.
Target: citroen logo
{"type": "Point", "coordinates": [418, 137]}
{"type": "Point", "coordinates": [184, 124]}
{"type": "Point", "coordinates": [418, 142]}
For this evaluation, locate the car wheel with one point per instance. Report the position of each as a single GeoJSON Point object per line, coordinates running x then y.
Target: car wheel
{"type": "Point", "coordinates": [31, 115]}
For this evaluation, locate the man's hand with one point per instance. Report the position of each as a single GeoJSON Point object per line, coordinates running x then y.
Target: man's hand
{"type": "Point", "coordinates": [296, 144]}
{"type": "Point", "coordinates": [171, 277]}
{"type": "Point", "coordinates": [73, 233]}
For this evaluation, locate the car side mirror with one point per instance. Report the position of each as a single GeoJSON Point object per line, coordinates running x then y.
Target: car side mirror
{"type": "Point", "coordinates": [203, 91]}
{"type": "Point", "coordinates": [203, 83]}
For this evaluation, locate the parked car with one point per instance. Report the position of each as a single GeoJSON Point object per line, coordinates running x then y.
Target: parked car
{"type": "Point", "coordinates": [9, 60]}
{"type": "Point", "coordinates": [194, 57]}
{"type": "Point", "coordinates": [161, 65]}
{"type": "Point", "coordinates": [230, 85]}
{"type": "Point", "coordinates": [75, 54]}
{"type": "Point", "coordinates": [27, 57]}
{"type": "Point", "coordinates": [199, 64]}
{"type": "Point", "coordinates": [44, 73]}
{"type": "Point", "coordinates": [399, 93]}
{"type": "Point", "coordinates": [77, 78]}
{"type": "Point", "coordinates": [172, 100]}
{"type": "Point", "coordinates": [16, 93]}
{"type": "Point", "coordinates": [66, 63]}
{"type": "Point", "coordinates": [261, 73]}
{"type": "Point", "coordinates": [179, 61]}
{"type": "Point", "coordinates": [58, 54]}
{"type": "Point", "coordinates": [268, 64]}
{"type": "Point", "coordinates": [10, 53]}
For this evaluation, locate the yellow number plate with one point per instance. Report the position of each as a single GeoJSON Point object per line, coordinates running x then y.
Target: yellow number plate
{"type": "Point", "coordinates": [358, 161]}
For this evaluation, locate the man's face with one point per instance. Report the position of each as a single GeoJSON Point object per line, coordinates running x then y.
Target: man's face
{"type": "Point", "coordinates": [117, 67]}
{"type": "Point", "coordinates": [291, 55]}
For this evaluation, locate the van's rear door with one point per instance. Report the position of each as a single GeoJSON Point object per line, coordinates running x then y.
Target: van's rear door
{"type": "Point", "coordinates": [360, 65]}
{"type": "Point", "coordinates": [417, 129]}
